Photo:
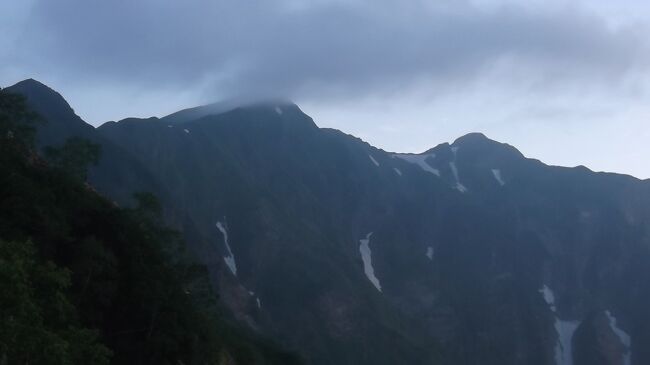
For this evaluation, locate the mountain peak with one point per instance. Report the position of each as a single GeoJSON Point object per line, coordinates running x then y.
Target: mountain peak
{"type": "Point", "coordinates": [30, 82]}
{"type": "Point", "coordinates": [476, 144]}
{"type": "Point", "coordinates": [472, 138]}
{"type": "Point", "coordinates": [41, 96]}
{"type": "Point", "coordinates": [61, 120]}
{"type": "Point", "coordinates": [33, 87]}
{"type": "Point", "coordinates": [190, 114]}
{"type": "Point", "coordinates": [480, 142]}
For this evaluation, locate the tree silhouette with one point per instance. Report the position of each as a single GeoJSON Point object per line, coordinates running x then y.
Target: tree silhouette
{"type": "Point", "coordinates": [74, 157]}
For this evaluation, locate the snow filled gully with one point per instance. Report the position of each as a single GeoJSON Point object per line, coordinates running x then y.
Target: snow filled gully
{"type": "Point", "coordinates": [230, 257]}
{"type": "Point", "coordinates": [564, 329]}
{"type": "Point", "coordinates": [366, 257]}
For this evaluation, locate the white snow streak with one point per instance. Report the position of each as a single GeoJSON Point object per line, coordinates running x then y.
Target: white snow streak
{"type": "Point", "coordinates": [497, 176]}
{"type": "Point", "coordinates": [460, 187]}
{"type": "Point", "coordinates": [454, 170]}
{"type": "Point", "coordinates": [563, 350]}
{"type": "Point", "coordinates": [397, 171]}
{"type": "Point", "coordinates": [622, 335]}
{"type": "Point", "coordinates": [230, 258]}
{"type": "Point", "coordinates": [549, 297]}
{"type": "Point", "coordinates": [419, 160]}
{"type": "Point", "coordinates": [259, 303]}
{"type": "Point", "coordinates": [366, 257]}
{"type": "Point", "coordinates": [186, 131]}
{"type": "Point", "coordinates": [430, 253]}
{"type": "Point", "coordinates": [373, 160]}
{"type": "Point", "coordinates": [564, 329]}
{"type": "Point", "coordinates": [278, 110]}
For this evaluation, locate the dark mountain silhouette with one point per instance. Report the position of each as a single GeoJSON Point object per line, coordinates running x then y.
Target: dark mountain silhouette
{"type": "Point", "coordinates": [469, 253]}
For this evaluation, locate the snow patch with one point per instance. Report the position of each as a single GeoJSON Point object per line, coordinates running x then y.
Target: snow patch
{"type": "Point", "coordinates": [169, 126]}
{"type": "Point", "coordinates": [564, 329]}
{"type": "Point", "coordinates": [373, 160]}
{"type": "Point", "coordinates": [397, 171]}
{"type": "Point", "coordinates": [230, 258]}
{"type": "Point", "coordinates": [419, 160]}
{"type": "Point", "coordinates": [454, 170]}
{"type": "Point", "coordinates": [278, 110]}
{"type": "Point", "coordinates": [366, 257]}
{"type": "Point", "coordinates": [430, 253]}
{"type": "Point", "coordinates": [622, 335]}
{"type": "Point", "coordinates": [497, 176]}
{"type": "Point", "coordinates": [563, 349]}
{"type": "Point", "coordinates": [186, 131]}
{"type": "Point", "coordinates": [259, 303]}
{"type": "Point", "coordinates": [549, 297]}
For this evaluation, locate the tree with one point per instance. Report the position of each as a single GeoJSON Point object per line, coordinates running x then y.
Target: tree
{"type": "Point", "coordinates": [37, 321]}
{"type": "Point", "coordinates": [74, 156]}
{"type": "Point", "coordinates": [17, 122]}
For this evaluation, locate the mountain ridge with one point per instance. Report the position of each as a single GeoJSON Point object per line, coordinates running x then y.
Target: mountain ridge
{"type": "Point", "coordinates": [191, 114]}
{"type": "Point", "coordinates": [468, 241]}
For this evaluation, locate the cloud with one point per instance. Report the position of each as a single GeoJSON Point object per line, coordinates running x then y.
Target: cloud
{"type": "Point", "coordinates": [322, 49]}
{"type": "Point", "coordinates": [557, 78]}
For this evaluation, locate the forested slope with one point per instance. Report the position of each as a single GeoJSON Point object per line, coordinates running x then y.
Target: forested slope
{"type": "Point", "coordinates": [83, 281]}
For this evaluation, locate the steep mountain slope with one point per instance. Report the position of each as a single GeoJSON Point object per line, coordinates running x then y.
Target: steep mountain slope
{"type": "Point", "coordinates": [256, 183]}
{"type": "Point", "coordinates": [498, 228]}
{"type": "Point", "coordinates": [86, 282]}
{"type": "Point", "coordinates": [469, 253]}
{"type": "Point", "coordinates": [117, 175]}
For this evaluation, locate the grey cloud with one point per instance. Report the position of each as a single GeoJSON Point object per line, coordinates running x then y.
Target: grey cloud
{"type": "Point", "coordinates": [319, 48]}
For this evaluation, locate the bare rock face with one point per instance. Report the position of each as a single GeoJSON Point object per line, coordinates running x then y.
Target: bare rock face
{"type": "Point", "coordinates": [598, 343]}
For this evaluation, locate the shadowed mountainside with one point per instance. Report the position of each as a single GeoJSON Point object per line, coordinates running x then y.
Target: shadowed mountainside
{"type": "Point", "coordinates": [467, 253]}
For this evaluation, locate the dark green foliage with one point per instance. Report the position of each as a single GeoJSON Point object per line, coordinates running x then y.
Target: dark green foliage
{"type": "Point", "coordinates": [38, 323]}
{"type": "Point", "coordinates": [17, 122]}
{"type": "Point", "coordinates": [74, 157]}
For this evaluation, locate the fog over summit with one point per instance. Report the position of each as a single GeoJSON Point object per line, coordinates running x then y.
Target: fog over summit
{"type": "Point", "coordinates": [402, 74]}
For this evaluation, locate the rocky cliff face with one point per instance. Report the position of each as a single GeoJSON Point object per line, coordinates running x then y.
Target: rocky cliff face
{"type": "Point", "coordinates": [469, 253]}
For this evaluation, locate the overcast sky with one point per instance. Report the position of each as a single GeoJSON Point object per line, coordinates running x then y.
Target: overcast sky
{"type": "Point", "coordinates": [566, 82]}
